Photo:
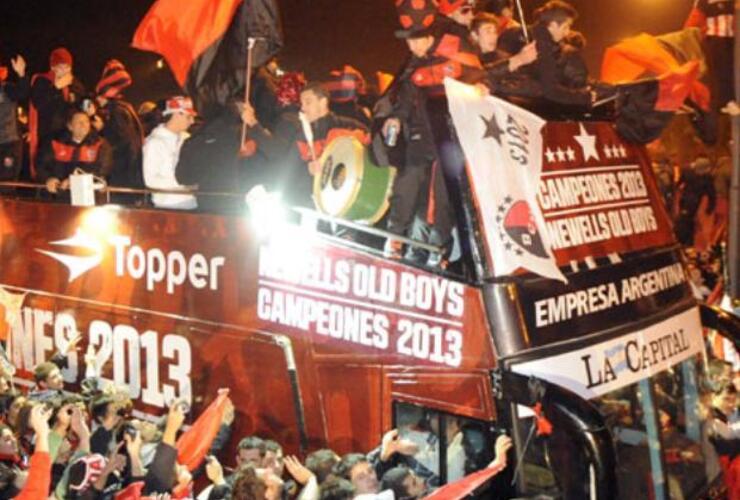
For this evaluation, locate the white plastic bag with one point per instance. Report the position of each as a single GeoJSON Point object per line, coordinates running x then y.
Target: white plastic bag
{"type": "Point", "coordinates": [82, 186]}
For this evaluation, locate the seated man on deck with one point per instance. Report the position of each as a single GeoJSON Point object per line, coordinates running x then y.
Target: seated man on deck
{"type": "Point", "coordinates": [77, 147]}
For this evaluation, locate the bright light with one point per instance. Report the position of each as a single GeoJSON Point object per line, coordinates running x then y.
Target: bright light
{"type": "Point", "coordinates": [267, 213]}
{"type": "Point", "coordinates": [269, 218]}
{"type": "Point", "coordinates": [101, 222]}
{"type": "Point", "coordinates": [160, 63]}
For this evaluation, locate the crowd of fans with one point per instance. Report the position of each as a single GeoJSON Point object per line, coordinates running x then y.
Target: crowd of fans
{"type": "Point", "coordinates": [695, 187]}
{"type": "Point", "coordinates": [87, 444]}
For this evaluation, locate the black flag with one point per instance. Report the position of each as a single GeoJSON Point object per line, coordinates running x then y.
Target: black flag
{"type": "Point", "coordinates": [219, 74]}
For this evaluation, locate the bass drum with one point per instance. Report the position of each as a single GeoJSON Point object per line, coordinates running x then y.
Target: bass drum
{"type": "Point", "coordinates": [349, 185]}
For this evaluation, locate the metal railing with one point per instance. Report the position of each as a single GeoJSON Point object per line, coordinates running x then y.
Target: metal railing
{"type": "Point", "coordinates": [305, 214]}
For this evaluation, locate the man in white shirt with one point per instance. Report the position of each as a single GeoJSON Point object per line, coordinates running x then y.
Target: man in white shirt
{"type": "Point", "coordinates": [161, 152]}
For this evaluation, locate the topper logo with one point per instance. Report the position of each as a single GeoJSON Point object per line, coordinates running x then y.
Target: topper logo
{"type": "Point", "coordinates": [77, 265]}
{"type": "Point", "coordinates": [173, 268]}
{"type": "Point", "coordinates": [152, 266]}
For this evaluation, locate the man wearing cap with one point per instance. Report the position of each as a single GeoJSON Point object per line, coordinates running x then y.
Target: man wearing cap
{"type": "Point", "coordinates": [162, 151]}
{"type": "Point", "coordinates": [11, 92]}
{"type": "Point", "coordinates": [122, 128]}
{"type": "Point", "coordinates": [439, 48]}
{"type": "Point", "coordinates": [346, 86]}
{"type": "Point", "coordinates": [53, 95]}
{"type": "Point", "coordinates": [460, 11]}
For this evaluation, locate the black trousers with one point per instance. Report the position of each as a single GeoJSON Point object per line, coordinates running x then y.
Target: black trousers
{"type": "Point", "coordinates": [419, 189]}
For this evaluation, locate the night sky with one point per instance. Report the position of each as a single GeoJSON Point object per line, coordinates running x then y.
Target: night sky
{"type": "Point", "coordinates": [319, 34]}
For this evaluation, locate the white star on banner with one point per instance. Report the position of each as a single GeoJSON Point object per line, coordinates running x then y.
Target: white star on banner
{"type": "Point", "coordinates": [622, 151]}
{"type": "Point", "coordinates": [550, 155]}
{"type": "Point", "coordinates": [615, 152]}
{"type": "Point", "coordinates": [571, 154]}
{"type": "Point", "coordinates": [561, 154]}
{"type": "Point", "coordinates": [588, 144]}
{"type": "Point", "coordinates": [607, 151]}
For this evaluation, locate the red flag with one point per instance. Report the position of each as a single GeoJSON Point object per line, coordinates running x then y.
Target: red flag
{"type": "Point", "coordinates": [182, 31]}
{"type": "Point", "coordinates": [649, 56]}
{"type": "Point", "coordinates": [675, 86]}
{"type": "Point", "coordinates": [696, 19]}
{"type": "Point", "coordinates": [465, 486]}
{"type": "Point", "coordinates": [194, 444]}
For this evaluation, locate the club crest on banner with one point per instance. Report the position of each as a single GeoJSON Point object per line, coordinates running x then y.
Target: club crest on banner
{"type": "Point", "coordinates": [518, 228]}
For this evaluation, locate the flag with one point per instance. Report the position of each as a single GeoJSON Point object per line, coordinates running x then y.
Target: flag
{"type": "Point", "coordinates": [503, 149]}
{"type": "Point", "coordinates": [647, 56]}
{"type": "Point", "coordinates": [182, 31]}
{"type": "Point", "coordinates": [646, 107]}
{"type": "Point", "coordinates": [465, 486]}
{"type": "Point", "coordinates": [205, 43]}
{"type": "Point", "coordinates": [194, 444]}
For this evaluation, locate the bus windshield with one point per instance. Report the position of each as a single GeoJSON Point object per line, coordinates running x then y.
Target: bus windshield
{"type": "Point", "coordinates": [660, 426]}
{"type": "Point", "coordinates": [660, 430]}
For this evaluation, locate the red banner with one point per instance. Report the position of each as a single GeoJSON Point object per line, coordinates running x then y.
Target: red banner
{"type": "Point", "coordinates": [598, 195]}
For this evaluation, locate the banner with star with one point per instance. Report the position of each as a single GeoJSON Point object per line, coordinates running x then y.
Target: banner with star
{"type": "Point", "coordinates": [503, 148]}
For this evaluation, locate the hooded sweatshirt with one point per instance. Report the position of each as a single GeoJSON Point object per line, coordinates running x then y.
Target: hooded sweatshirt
{"type": "Point", "coordinates": [161, 153]}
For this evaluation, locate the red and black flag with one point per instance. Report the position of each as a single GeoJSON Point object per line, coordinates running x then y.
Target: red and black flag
{"type": "Point", "coordinates": [205, 43]}
{"type": "Point", "coordinates": [656, 76]}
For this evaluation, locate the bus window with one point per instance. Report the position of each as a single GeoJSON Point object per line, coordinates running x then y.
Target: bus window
{"type": "Point", "coordinates": [449, 446]}
{"type": "Point", "coordinates": [630, 414]}
{"type": "Point", "coordinates": [682, 411]}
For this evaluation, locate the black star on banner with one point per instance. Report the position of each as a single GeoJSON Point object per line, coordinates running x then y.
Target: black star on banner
{"type": "Point", "coordinates": [492, 128]}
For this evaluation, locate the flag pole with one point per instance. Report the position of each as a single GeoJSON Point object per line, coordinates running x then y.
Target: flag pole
{"type": "Point", "coordinates": [523, 21]}
{"type": "Point", "coordinates": [733, 247]}
{"type": "Point", "coordinates": [247, 83]}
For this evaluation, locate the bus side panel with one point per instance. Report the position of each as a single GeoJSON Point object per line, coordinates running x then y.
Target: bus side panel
{"type": "Point", "coordinates": [160, 359]}
{"type": "Point", "coordinates": [351, 403]}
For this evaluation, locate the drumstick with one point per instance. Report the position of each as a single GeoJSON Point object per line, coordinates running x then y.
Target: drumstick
{"type": "Point", "coordinates": [308, 133]}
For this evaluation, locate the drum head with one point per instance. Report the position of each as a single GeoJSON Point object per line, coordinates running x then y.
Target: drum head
{"type": "Point", "coordinates": [336, 186]}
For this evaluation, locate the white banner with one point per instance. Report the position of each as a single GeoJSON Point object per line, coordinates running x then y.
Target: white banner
{"type": "Point", "coordinates": [608, 366]}
{"type": "Point", "coordinates": [503, 148]}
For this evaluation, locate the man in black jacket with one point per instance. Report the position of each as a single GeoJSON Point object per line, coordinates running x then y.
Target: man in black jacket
{"type": "Point", "coordinates": [11, 146]}
{"type": "Point", "coordinates": [499, 64]}
{"type": "Point", "coordinates": [293, 159]}
{"type": "Point", "coordinates": [440, 47]}
{"type": "Point", "coordinates": [122, 128]}
{"type": "Point", "coordinates": [79, 146]}
{"type": "Point", "coordinates": [53, 95]}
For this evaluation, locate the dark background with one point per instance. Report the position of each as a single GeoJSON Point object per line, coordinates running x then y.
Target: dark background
{"type": "Point", "coordinates": [319, 34]}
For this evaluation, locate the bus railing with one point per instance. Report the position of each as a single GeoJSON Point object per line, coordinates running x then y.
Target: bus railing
{"type": "Point", "coordinates": [306, 216]}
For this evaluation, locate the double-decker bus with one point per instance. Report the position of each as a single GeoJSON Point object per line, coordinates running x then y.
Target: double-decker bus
{"type": "Point", "coordinates": [326, 343]}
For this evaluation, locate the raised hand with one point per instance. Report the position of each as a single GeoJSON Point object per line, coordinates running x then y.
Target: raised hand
{"type": "Point", "coordinates": [19, 65]}
{"type": "Point", "coordinates": [295, 468]}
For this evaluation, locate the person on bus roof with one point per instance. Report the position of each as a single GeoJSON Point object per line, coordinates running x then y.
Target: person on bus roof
{"type": "Point", "coordinates": [162, 150]}
{"type": "Point", "coordinates": [122, 128]}
{"type": "Point", "coordinates": [77, 147]}
{"type": "Point", "coordinates": [53, 95]}
{"type": "Point", "coordinates": [459, 11]}
{"type": "Point", "coordinates": [11, 93]}
{"type": "Point", "coordinates": [498, 63]}
{"type": "Point", "coordinates": [290, 150]}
